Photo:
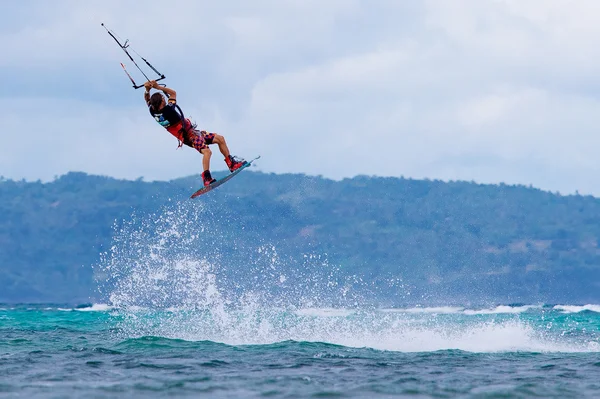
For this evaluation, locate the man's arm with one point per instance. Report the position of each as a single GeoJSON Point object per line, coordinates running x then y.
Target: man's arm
{"type": "Point", "coordinates": [170, 93]}
{"type": "Point", "coordinates": [147, 86]}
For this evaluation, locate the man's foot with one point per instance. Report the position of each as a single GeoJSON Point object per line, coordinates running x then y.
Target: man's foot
{"type": "Point", "coordinates": [233, 163]}
{"type": "Point", "coordinates": [208, 179]}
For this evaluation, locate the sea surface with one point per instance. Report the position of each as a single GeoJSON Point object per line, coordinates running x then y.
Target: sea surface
{"type": "Point", "coordinates": [238, 321]}
{"type": "Point", "coordinates": [232, 351]}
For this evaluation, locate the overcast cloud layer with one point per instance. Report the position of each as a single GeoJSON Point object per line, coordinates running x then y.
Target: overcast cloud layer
{"type": "Point", "coordinates": [485, 90]}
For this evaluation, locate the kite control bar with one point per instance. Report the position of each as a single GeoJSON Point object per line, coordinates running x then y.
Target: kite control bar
{"type": "Point", "coordinates": [126, 46]}
{"type": "Point", "coordinates": [136, 86]}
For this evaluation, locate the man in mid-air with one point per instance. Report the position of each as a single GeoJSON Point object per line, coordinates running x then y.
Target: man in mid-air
{"type": "Point", "coordinates": [167, 113]}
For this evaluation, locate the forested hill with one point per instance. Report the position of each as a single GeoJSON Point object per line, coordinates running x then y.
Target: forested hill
{"type": "Point", "coordinates": [444, 241]}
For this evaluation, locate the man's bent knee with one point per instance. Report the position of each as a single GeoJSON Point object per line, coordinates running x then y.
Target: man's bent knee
{"type": "Point", "coordinates": [218, 139]}
{"type": "Point", "coordinates": [206, 152]}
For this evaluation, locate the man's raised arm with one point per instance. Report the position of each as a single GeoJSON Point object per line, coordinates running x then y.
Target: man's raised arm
{"type": "Point", "coordinates": [151, 84]}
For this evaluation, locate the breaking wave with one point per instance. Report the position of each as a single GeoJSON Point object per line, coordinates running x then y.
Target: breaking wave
{"type": "Point", "coordinates": [182, 275]}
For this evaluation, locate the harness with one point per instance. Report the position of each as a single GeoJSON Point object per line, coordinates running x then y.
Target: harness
{"type": "Point", "coordinates": [184, 132]}
{"type": "Point", "coordinates": [185, 126]}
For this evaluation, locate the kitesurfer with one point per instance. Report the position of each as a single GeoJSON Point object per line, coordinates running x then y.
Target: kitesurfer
{"type": "Point", "coordinates": [164, 109]}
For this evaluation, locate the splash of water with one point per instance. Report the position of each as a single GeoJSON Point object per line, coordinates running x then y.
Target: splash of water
{"type": "Point", "coordinates": [187, 273]}
{"type": "Point", "coordinates": [187, 257]}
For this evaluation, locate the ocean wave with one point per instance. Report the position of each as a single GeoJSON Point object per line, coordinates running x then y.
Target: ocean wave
{"type": "Point", "coordinates": [324, 312]}
{"type": "Point", "coordinates": [500, 309]}
{"type": "Point", "coordinates": [514, 328]}
{"type": "Point", "coordinates": [435, 310]}
{"type": "Point", "coordinates": [96, 307]}
{"type": "Point", "coordinates": [503, 309]}
{"type": "Point", "coordinates": [577, 309]}
{"type": "Point", "coordinates": [161, 284]}
{"type": "Point", "coordinates": [388, 330]}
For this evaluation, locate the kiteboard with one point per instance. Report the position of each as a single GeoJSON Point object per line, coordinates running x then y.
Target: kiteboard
{"type": "Point", "coordinates": [216, 184]}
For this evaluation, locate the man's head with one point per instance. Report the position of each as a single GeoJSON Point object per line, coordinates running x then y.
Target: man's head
{"type": "Point", "coordinates": [157, 101]}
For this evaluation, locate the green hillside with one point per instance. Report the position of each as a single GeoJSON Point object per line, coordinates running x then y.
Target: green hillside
{"type": "Point", "coordinates": [454, 241]}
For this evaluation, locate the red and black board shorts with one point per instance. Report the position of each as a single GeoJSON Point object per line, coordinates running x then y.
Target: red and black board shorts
{"type": "Point", "coordinates": [195, 139]}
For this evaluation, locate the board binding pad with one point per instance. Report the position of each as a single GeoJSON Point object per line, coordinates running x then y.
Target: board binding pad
{"type": "Point", "coordinates": [216, 184]}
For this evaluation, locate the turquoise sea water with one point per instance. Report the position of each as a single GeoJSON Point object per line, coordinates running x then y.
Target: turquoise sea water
{"type": "Point", "coordinates": [239, 321]}
{"type": "Point", "coordinates": [239, 351]}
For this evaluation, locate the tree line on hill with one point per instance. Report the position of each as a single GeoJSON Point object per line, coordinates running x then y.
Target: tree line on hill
{"type": "Point", "coordinates": [408, 241]}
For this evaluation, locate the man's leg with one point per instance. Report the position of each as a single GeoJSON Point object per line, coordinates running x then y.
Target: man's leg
{"type": "Point", "coordinates": [206, 176]}
{"type": "Point", "coordinates": [213, 138]}
{"type": "Point", "coordinates": [220, 141]}
{"type": "Point", "coordinates": [198, 142]}
{"type": "Point", "coordinates": [206, 154]}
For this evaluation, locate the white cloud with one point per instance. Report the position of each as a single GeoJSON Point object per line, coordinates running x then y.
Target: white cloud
{"type": "Point", "coordinates": [497, 90]}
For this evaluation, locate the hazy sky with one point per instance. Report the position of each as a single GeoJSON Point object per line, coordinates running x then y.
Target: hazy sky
{"type": "Point", "coordinates": [484, 90]}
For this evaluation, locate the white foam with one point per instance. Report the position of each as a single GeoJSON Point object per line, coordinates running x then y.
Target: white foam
{"type": "Point", "coordinates": [325, 312]}
{"type": "Point", "coordinates": [160, 287]}
{"type": "Point", "coordinates": [384, 331]}
{"type": "Point", "coordinates": [434, 310]}
{"type": "Point", "coordinates": [96, 307]}
{"type": "Point", "coordinates": [454, 309]}
{"type": "Point", "coordinates": [502, 309]}
{"type": "Point", "coordinates": [577, 309]}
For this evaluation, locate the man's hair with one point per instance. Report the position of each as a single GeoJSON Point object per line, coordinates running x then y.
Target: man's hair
{"type": "Point", "coordinates": [155, 101]}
